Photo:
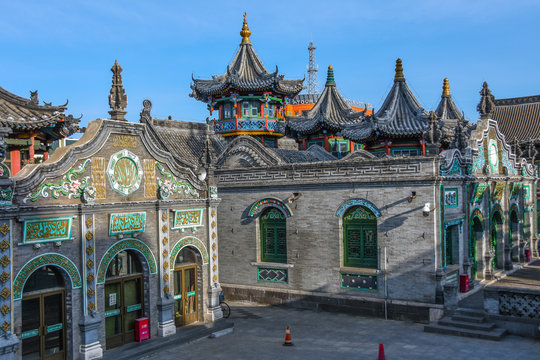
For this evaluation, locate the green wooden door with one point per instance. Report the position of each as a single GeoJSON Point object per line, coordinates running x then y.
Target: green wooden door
{"type": "Point", "coordinates": [273, 236]}
{"type": "Point", "coordinates": [360, 238]}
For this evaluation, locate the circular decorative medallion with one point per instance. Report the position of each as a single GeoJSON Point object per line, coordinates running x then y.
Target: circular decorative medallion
{"type": "Point", "coordinates": [125, 172]}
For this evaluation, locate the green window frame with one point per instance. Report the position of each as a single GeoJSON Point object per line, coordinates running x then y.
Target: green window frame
{"type": "Point", "coordinates": [360, 238]}
{"type": "Point", "coordinates": [273, 227]}
{"type": "Point", "coordinates": [339, 148]}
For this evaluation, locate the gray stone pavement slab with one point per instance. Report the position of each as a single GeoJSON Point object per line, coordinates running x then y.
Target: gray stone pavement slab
{"type": "Point", "coordinates": [259, 332]}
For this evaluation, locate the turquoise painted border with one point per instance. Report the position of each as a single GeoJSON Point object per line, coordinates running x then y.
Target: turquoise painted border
{"type": "Point", "coordinates": [112, 233]}
{"type": "Point", "coordinates": [355, 202]}
{"type": "Point", "coordinates": [494, 167]}
{"type": "Point", "coordinates": [526, 192]}
{"type": "Point", "coordinates": [188, 241]}
{"type": "Point", "coordinates": [64, 238]}
{"type": "Point", "coordinates": [188, 226]}
{"type": "Point", "coordinates": [354, 288]}
{"type": "Point", "coordinates": [272, 281]}
{"type": "Point", "coordinates": [457, 197]}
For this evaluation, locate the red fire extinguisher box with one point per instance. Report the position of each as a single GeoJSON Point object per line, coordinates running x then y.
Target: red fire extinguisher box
{"type": "Point", "coordinates": [463, 282]}
{"type": "Point", "coordinates": [141, 329]}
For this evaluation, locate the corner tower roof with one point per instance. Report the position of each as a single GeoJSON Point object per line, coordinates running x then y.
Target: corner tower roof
{"type": "Point", "coordinates": [245, 73]}
{"type": "Point", "coordinates": [330, 111]}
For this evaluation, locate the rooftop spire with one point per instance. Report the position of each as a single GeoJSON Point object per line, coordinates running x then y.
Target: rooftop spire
{"type": "Point", "coordinates": [399, 70]}
{"type": "Point", "coordinates": [445, 87]}
{"type": "Point", "coordinates": [487, 104]}
{"type": "Point", "coordinates": [117, 97]}
{"type": "Point", "coordinates": [245, 33]}
{"type": "Point", "coordinates": [330, 77]}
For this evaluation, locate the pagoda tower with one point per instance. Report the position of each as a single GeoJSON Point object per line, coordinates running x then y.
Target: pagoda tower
{"type": "Point", "coordinates": [247, 98]}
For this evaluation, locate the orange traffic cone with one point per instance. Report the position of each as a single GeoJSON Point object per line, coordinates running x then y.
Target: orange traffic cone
{"type": "Point", "coordinates": [288, 340]}
{"type": "Point", "coordinates": [381, 352]}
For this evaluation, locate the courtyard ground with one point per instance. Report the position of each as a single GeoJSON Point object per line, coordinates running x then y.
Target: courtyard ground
{"type": "Point", "coordinates": [259, 332]}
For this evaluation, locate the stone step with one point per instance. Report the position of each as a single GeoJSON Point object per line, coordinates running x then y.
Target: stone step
{"type": "Point", "coordinates": [495, 334]}
{"type": "Point", "coordinates": [468, 319]}
{"type": "Point", "coordinates": [470, 312]}
{"type": "Point", "coordinates": [447, 321]}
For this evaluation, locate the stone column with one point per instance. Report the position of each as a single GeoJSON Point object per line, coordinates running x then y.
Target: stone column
{"type": "Point", "coordinates": [450, 295]}
{"type": "Point", "coordinates": [488, 266]}
{"type": "Point", "coordinates": [215, 287]}
{"type": "Point", "coordinates": [91, 321]}
{"type": "Point", "coordinates": [507, 257]}
{"type": "Point", "coordinates": [8, 341]}
{"type": "Point", "coordinates": [166, 326]}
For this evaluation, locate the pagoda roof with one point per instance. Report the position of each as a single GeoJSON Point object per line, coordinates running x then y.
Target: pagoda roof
{"type": "Point", "coordinates": [330, 111]}
{"type": "Point", "coordinates": [245, 73]}
{"type": "Point", "coordinates": [518, 118]}
{"type": "Point", "coordinates": [22, 114]}
{"type": "Point", "coordinates": [400, 115]}
{"type": "Point", "coordinates": [447, 111]}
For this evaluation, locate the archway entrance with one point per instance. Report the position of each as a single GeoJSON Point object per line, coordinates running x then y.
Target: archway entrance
{"type": "Point", "coordinates": [476, 236]}
{"type": "Point", "coordinates": [43, 311]}
{"type": "Point", "coordinates": [185, 287]}
{"type": "Point", "coordinates": [124, 300]}
{"type": "Point", "coordinates": [496, 237]}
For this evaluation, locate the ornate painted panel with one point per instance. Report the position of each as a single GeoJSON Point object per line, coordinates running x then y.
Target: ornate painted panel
{"type": "Point", "coordinates": [98, 177]}
{"type": "Point", "coordinates": [499, 191]}
{"type": "Point", "coordinates": [526, 192]}
{"type": "Point", "coordinates": [127, 244]}
{"type": "Point", "coordinates": [189, 241]}
{"type": "Point", "coordinates": [47, 230]}
{"type": "Point", "coordinates": [167, 262]}
{"type": "Point", "coordinates": [125, 172]}
{"type": "Point", "coordinates": [127, 223]}
{"type": "Point", "coordinates": [150, 185]}
{"type": "Point", "coordinates": [55, 259]}
{"type": "Point", "coordinates": [273, 275]}
{"type": "Point", "coordinates": [269, 202]}
{"type": "Point", "coordinates": [480, 160]}
{"type": "Point", "coordinates": [358, 281]}
{"type": "Point", "coordinates": [212, 219]}
{"type": "Point", "coordinates": [355, 202]}
{"type": "Point", "coordinates": [89, 264]}
{"type": "Point", "coordinates": [169, 185]}
{"type": "Point", "coordinates": [478, 192]}
{"type": "Point", "coordinates": [451, 197]}
{"type": "Point", "coordinates": [187, 218]}
{"type": "Point", "coordinates": [6, 304]}
{"type": "Point", "coordinates": [6, 195]}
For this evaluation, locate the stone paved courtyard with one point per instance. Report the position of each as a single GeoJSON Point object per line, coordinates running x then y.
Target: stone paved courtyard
{"type": "Point", "coordinates": [259, 333]}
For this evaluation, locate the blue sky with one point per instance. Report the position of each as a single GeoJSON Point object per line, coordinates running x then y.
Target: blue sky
{"type": "Point", "coordinates": [65, 49]}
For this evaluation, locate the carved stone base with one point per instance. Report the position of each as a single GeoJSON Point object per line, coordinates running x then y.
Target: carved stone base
{"type": "Point", "coordinates": [215, 313]}
{"type": "Point", "coordinates": [166, 328]}
{"type": "Point", "coordinates": [8, 346]}
{"type": "Point", "coordinates": [91, 351]}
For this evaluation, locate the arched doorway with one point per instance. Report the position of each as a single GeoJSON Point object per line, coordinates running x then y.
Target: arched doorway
{"type": "Point", "coordinates": [496, 238]}
{"type": "Point", "coordinates": [186, 288]}
{"type": "Point", "coordinates": [514, 236]}
{"type": "Point", "coordinates": [124, 300]}
{"type": "Point", "coordinates": [360, 237]}
{"type": "Point", "coordinates": [43, 312]}
{"type": "Point", "coordinates": [477, 230]}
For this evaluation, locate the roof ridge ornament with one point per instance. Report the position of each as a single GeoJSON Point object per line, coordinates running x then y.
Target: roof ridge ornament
{"type": "Point", "coordinates": [399, 70]}
{"type": "Point", "coordinates": [446, 87]}
{"type": "Point", "coordinates": [34, 97]}
{"type": "Point", "coordinates": [330, 76]}
{"type": "Point", "coordinates": [245, 33]}
{"type": "Point", "coordinates": [117, 97]}
{"type": "Point", "coordinates": [487, 104]}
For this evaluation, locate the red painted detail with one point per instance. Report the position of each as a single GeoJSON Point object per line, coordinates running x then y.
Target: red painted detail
{"type": "Point", "coordinates": [463, 283]}
{"type": "Point", "coordinates": [387, 147]}
{"type": "Point", "coordinates": [45, 156]}
{"type": "Point", "coordinates": [423, 144]}
{"type": "Point", "coordinates": [31, 151]}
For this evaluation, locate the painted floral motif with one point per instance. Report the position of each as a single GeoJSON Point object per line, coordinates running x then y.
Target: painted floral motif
{"type": "Point", "coordinates": [4, 171]}
{"type": "Point", "coordinates": [480, 160]}
{"type": "Point", "coordinates": [478, 192]}
{"type": "Point", "coordinates": [46, 259]}
{"type": "Point", "coordinates": [72, 185]}
{"type": "Point", "coordinates": [170, 185]}
{"type": "Point", "coordinates": [506, 163]}
{"type": "Point", "coordinates": [269, 202]}
{"type": "Point", "coordinates": [6, 196]}
{"type": "Point", "coordinates": [187, 218]}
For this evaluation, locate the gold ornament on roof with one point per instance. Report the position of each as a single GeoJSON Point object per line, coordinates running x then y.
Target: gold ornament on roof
{"type": "Point", "coordinates": [399, 70]}
{"type": "Point", "coordinates": [245, 33]}
{"type": "Point", "coordinates": [445, 87]}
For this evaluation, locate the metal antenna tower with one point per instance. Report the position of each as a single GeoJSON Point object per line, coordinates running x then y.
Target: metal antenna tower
{"type": "Point", "coordinates": [313, 69]}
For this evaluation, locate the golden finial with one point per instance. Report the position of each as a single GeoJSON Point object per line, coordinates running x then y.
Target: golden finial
{"type": "Point", "coordinates": [245, 33]}
{"type": "Point", "coordinates": [445, 87]}
{"type": "Point", "coordinates": [399, 70]}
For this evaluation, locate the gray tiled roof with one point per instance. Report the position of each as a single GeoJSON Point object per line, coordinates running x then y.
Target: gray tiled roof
{"type": "Point", "coordinates": [314, 153]}
{"type": "Point", "coordinates": [245, 73]}
{"type": "Point", "coordinates": [401, 114]}
{"type": "Point", "coordinates": [518, 118]}
{"type": "Point", "coordinates": [330, 111]}
{"type": "Point", "coordinates": [186, 140]}
{"type": "Point", "coordinates": [26, 114]}
{"type": "Point", "coordinates": [449, 114]}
